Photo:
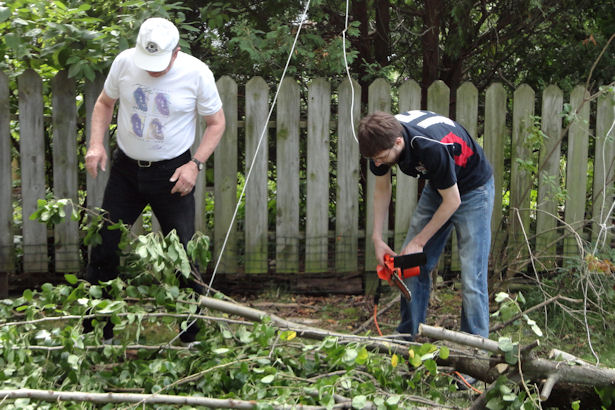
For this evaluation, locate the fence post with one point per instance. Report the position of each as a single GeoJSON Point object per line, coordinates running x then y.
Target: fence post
{"type": "Point", "coordinates": [467, 116]}
{"type": "Point", "coordinates": [438, 101]}
{"type": "Point", "coordinates": [604, 165]}
{"type": "Point", "coordinates": [257, 222]}
{"type": "Point", "coordinates": [7, 253]}
{"type": "Point", "coordinates": [347, 199]}
{"type": "Point", "coordinates": [549, 181]}
{"type": "Point", "coordinates": [494, 142]}
{"type": "Point", "coordinates": [379, 99]}
{"type": "Point", "coordinates": [95, 186]}
{"type": "Point", "coordinates": [406, 196]}
{"type": "Point", "coordinates": [576, 169]}
{"type": "Point", "coordinates": [520, 179]}
{"type": "Point", "coordinates": [225, 177]}
{"type": "Point", "coordinates": [66, 235]}
{"type": "Point", "coordinates": [317, 207]}
{"type": "Point", "coordinates": [32, 152]}
{"type": "Point", "coordinates": [287, 171]}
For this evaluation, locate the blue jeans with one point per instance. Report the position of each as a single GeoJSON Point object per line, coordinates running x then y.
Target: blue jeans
{"type": "Point", "coordinates": [472, 222]}
{"type": "Point", "coordinates": [129, 189]}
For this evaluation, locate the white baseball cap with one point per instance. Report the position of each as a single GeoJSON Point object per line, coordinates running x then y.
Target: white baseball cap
{"type": "Point", "coordinates": [156, 41]}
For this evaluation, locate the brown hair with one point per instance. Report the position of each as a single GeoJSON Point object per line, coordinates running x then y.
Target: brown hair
{"type": "Point", "coordinates": [378, 132]}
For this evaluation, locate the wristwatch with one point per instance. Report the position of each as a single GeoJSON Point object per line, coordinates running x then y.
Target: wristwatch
{"type": "Point", "coordinates": [199, 164]}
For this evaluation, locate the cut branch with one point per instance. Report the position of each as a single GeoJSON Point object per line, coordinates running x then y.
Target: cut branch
{"type": "Point", "coordinates": [104, 398]}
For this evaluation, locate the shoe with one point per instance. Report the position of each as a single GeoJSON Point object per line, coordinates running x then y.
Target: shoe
{"type": "Point", "coordinates": [108, 342]}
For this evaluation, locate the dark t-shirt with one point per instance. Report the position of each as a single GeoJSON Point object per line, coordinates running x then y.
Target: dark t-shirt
{"type": "Point", "coordinates": [440, 150]}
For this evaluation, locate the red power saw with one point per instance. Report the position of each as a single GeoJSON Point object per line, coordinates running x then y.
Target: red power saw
{"type": "Point", "coordinates": [398, 268]}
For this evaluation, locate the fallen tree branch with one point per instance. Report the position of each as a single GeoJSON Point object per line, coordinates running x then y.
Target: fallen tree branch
{"type": "Point", "coordinates": [466, 339]}
{"type": "Point", "coordinates": [532, 368]}
{"type": "Point", "coordinates": [104, 398]}
{"type": "Point", "coordinates": [141, 315]}
{"type": "Point", "coordinates": [380, 344]}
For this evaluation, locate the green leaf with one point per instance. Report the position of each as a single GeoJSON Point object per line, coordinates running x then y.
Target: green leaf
{"type": "Point", "coordinates": [96, 292]}
{"type": "Point", "coordinates": [362, 356]}
{"type": "Point", "coordinates": [70, 278]}
{"type": "Point", "coordinates": [444, 352]}
{"type": "Point", "coordinates": [268, 379]}
{"type": "Point", "coordinates": [74, 361]}
{"type": "Point", "coordinates": [393, 400]}
{"type": "Point", "coordinates": [501, 296]}
{"type": "Point", "coordinates": [358, 402]}
{"type": "Point", "coordinates": [5, 13]}
{"type": "Point", "coordinates": [350, 355]}
{"type": "Point", "coordinates": [505, 344]}
{"type": "Point", "coordinates": [431, 366]}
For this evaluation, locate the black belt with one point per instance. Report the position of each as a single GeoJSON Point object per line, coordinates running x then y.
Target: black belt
{"type": "Point", "coordinates": [181, 159]}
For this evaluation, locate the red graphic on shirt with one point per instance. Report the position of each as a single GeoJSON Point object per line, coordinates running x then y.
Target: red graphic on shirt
{"type": "Point", "coordinates": [466, 151]}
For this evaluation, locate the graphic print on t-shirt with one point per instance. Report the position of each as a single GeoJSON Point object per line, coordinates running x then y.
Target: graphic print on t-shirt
{"type": "Point", "coordinates": [461, 158]}
{"type": "Point", "coordinates": [151, 110]}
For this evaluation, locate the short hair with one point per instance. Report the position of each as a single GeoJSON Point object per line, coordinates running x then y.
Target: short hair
{"type": "Point", "coordinates": [378, 132]}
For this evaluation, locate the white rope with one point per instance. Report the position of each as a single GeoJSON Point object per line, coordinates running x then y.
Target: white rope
{"type": "Point", "coordinates": [260, 140]}
{"type": "Point", "coordinates": [348, 74]}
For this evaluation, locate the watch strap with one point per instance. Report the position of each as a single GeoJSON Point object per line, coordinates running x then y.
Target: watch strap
{"type": "Point", "coordinates": [199, 164]}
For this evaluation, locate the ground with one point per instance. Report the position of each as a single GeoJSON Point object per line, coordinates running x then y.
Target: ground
{"type": "Point", "coordinates": [354, 313]}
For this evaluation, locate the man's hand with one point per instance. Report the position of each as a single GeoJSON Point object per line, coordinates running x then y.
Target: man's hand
{"type": "Point", "coordinates": [412, 248]}
{"type": "Point", "coordinates": [184, 178]}
{"type": "Point", "coordinates": [381, 249]}
{"type": "Point", "coordinates": [95, 156]}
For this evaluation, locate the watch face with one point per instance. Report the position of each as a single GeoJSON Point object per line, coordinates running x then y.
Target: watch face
{"type": "Point", "coordinates": [199, 164]}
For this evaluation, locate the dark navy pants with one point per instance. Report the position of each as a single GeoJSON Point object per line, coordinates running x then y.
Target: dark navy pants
{"type": "Point", "coordinates": [131, 186]}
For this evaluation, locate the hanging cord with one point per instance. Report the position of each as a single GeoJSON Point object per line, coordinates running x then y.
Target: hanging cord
{"type": "Point", "coordinates": [260, 140]}
{"type": "Point", "coordinates": [376, 301]}
{"type": "Point", "coordinates": [348, 74]}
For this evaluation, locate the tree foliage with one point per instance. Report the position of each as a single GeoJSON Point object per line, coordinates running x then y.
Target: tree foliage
{"type": "Point", "coordinates": [513, 41]}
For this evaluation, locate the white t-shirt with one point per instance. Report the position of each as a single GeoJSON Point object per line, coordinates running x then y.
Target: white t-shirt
{"type": "Point", "coordinates": [157, 116]}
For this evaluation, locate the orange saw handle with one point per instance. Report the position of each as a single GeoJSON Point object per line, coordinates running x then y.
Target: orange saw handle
{"type": "Point", "coordinates": [384, 271]}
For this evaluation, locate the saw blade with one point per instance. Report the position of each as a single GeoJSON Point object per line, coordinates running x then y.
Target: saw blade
{"type": "Point", "coordinates": [401, 286]}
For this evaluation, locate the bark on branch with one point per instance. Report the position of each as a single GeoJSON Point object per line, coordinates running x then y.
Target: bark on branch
{"type": "Point", "coordinates": [533, 368]}
{"type": "Point", "coordinates": [104, 398]}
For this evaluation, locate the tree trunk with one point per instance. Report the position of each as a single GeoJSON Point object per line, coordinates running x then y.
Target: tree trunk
{"type": "Point", "coordinates": [431, 46]}
{"type": "Point", "coordinates": [382, 38]}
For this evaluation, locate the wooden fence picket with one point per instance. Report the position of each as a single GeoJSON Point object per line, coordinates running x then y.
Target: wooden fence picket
{"type": "Point", "coordinates": [604, 166]}
{"type": "Point", "coordinates": [347, 179]}
{"type": "Point", "coordinates": [520, 185]}
{"type": "Point", "coordinates": [438, 101]}
{"type": "Point", "coordinates": [287, 171]}
{"type": "Point", "coordinates": [95, 186]}
{"type": "Point", "coordinates": [467, 116]}
{"type": "Point", "coordinates": [549, 175]}
{"type": "Point", "coordinates": [7, 254]}
{"type": "Point", "coordinates": [256, 220]}
{"type": "Point", "coordinates": [379, 99]}
{"type": "Point", "coordinates": [406, 195]}
{"type": "Point", "coordinates": [317, 200]}
{"type": "Point", "coordinates": [225, 179]}
{"type": "Point", "coordinates": [494, 143]}
{"type": "Point", "coordinates": [32, 153]}
{"type": "Point", "coordinates": [65, 184]}
{"type": "Point", "coordinates": [576, 169]}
